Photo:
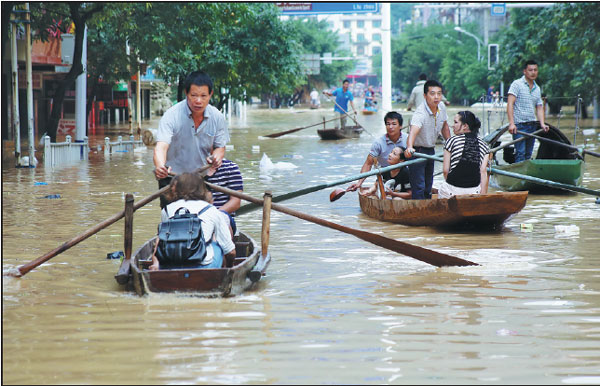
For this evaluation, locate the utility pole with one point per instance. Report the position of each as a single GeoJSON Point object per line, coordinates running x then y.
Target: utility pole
{"type": "Point", "coordinates": [15, 90]}
{"type": "Point", "coordinates": [30, 123]}
{"type": "Point", "coordinates": [386, 58]}
{"type": "Point", "coordinates": [81, 94]}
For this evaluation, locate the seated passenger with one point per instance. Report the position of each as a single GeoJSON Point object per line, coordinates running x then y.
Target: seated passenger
{"type": "Point", "coordinates": [227, 176]}
{"type": "Point", "coordinates": [383, 146]}
{"type": "Point", "coordinates": [189, 191]}
{"type": "Point", "coordinates": [397, 178]}
{"type": "Point", "coordinates": [466, 159]}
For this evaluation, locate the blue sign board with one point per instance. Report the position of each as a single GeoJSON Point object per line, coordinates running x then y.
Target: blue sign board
{"type": "Point", "coordinates": [498, 9]}
{"type": "Point", "coordinates": [294, 8]}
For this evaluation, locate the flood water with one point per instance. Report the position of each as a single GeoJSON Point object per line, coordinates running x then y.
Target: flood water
{"type": "Point", "coordinates": [333, 309]}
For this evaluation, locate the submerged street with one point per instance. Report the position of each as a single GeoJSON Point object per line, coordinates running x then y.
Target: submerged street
{"type": "Point", "coordinates": [349, 311]}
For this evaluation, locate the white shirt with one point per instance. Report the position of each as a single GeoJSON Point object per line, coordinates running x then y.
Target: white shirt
{"type": "Point", "coordinates": [214, 223]}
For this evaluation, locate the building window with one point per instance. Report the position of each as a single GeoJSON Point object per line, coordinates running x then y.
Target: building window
{"type": "Point", "coordinates": [360, 37]}
{"type": "Point", "coordinates": [360, 50]}
{"type": "Point", "coordinates": [376, 23]}
{"type": "Point", "coordinates": [346, 23]}
{"type": "Point", "coordinates": [376, 50]}
{"type": "Point", "coordinates": [376, 37]}
{"type": "Point", "coordinates": [360, 24]}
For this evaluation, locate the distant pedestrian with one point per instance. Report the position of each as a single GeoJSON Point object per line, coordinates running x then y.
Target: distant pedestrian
{"type": "Point", "coordinates": [524, 100]}
{"type": "Point", "coordinates": [314, 99]}
{"type": "Point", "coordinates": [342, 97]}
{"type": "Point", "coordinates": [417, 98]}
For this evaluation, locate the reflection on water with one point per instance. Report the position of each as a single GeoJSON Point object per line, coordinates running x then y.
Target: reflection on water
{"type": "Point", "coordinates": [343, 309]}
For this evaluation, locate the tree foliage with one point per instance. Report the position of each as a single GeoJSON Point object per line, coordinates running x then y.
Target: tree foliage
{"type": "Point", "coordinates": [314, 37]}
{"type": "Point", "coordinates": [565, 42]}
{"type": "Point", "coordinates": [243, 46]}
{"type": "Point", "coordinates": [442, 54]}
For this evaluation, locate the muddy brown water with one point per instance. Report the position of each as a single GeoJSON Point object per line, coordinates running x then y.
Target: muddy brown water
{"type": "Point", "coordinates": [333, 308]}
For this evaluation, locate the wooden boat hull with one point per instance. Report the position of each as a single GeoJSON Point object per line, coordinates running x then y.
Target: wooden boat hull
{"type": "Point", "coordinates": [368, 112]}
{"type": "Point", "coordinates": [481, 210]}
{"type": "Point", "coordinates": [566, 171]}
{"type": "Point", "coordinates": [345, 133]}
{"type": "Point", "coordinates": [218, 282]}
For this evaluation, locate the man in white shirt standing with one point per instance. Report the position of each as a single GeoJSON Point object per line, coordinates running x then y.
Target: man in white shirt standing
{"type": "Point", "coordinates": [428, 121]}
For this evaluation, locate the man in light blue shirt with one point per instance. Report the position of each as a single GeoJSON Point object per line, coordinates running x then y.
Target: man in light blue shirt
{"type": "Point", "coordinates": [190, 134]}
{"type": "Point", "coordinates": [342, 97]}
{"type": "Point", "coordinates": [524, 99]}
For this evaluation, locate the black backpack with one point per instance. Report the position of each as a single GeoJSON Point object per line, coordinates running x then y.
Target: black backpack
{"type": "Point", "coordinates": [180, 240]}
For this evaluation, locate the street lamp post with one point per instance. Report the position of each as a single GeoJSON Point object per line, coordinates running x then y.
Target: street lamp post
{"type": "Point", "coordinates": [479, 42]}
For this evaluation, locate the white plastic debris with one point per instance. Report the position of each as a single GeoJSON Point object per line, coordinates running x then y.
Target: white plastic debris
{"type": "Point", "coordinates": [255, 148]}
{"type": "Point", "coordinates": [266, 165]}
{"type": "Point", "coordinates": [567, 230]}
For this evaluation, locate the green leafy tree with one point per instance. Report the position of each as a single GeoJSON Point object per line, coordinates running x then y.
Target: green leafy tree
{"type": "Point", "coordinates": [44, 16]}
{"type": "Point", "coordinates": [442, 54]}
{"type": "Point", "coordinates": [565, 41]}
{"type": "Point", "coordinates": [314, 37]}
{"type": "Point", "coordinates": [244, 47]}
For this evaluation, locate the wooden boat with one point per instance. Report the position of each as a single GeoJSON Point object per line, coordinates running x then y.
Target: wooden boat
{"type": "Point", "coordinates": [337, 133]}
{"type": "Point", "coordinates": [248, 268]}
{"type": "Point", "coordinates": [552, 162]}
{"type": "Point", "coordinates": [472, 210]}
{"type": "Point", "coordinates": [369, 110]}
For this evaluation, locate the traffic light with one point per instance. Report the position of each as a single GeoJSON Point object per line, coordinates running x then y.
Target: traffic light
{"type": "Point", "coordinates": [493, 56]}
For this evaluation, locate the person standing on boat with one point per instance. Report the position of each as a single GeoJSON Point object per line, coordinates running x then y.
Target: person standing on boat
{"type": "Point", "coordinates": [524, 100]}
{"type": "Point", "coordinates": [428, 121]}
{"type": "Point", "coordinates": [189, 191]}
{"type": "Point", "coordinates": [466, 159]}
{"type": "Point", "coordinates": [370, 97]}
{"type": "Point", "coordinates": [190, 133]}
{"type": "Point", "coordinates": [227, 176]}
{"type": "Point", "coordinates": [383, 146]}
{"type": "Point", "coordinates": [342, 97]}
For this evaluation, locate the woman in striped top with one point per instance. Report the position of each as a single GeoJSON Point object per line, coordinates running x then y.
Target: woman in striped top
{"type": "Point", "coordinates": [228, 175]}
{"type": "Point", "coordinates": [466, 158]}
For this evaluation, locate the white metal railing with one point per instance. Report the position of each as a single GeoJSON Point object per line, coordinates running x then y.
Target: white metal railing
{"type": "Point", "coordinates": [120, 145]}
{"type": "Point", "coordinates": [64, 152]}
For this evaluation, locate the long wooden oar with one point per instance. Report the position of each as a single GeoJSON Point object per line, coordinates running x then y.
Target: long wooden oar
{"type": "Point", "coordinates": [535, 180]}
{"type": "Point", "coordinates": [23, 269]}
{"type": "Point", "coordinates": [423, 254]}
{"type": "Point", "coordinates": [249, 207]}
{"type": "Point", "coordinates": [584, 151]}
{"type": "Point", "coordinates": [513, 142]}
{"type": "Point", "coordinates": [275, 135]}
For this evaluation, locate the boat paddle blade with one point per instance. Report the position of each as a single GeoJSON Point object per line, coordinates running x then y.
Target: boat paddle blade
{"type": "Point", "coordinates": [336, 194]}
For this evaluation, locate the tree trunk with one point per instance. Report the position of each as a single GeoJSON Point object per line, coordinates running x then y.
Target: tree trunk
{"type": "Point", "coordinates": [76, 68]}
{"type": "Point", "coordinates": [7, 8]}
{"type": "Point", "coordinates": [90, 101]}
{"type": "Point", "coordinates": [180, 88]}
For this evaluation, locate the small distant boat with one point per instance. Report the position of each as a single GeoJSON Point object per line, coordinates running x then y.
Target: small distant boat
{"type": "Point", "coordinates": [552, 162]}
{"type": "Point", "coordinates": [486, 211]}
{"type": "Point", "coordinates": [337, 133]}
{"type": "Point", "coordinates": [202, 282]}
{"type": "Point", "coordinates": [369, 110]}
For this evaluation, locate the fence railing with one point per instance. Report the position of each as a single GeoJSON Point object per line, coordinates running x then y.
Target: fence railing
{"type": "Point", "coordinates": [64, 152]}
{"type": "Point", "coordinates": [120, 145]}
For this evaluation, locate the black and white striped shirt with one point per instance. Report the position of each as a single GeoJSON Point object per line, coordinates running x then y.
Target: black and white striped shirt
{"type": "Point", "coordinates": [456, 144]}
{"type": "Point", "coordinates": [227, 176]}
